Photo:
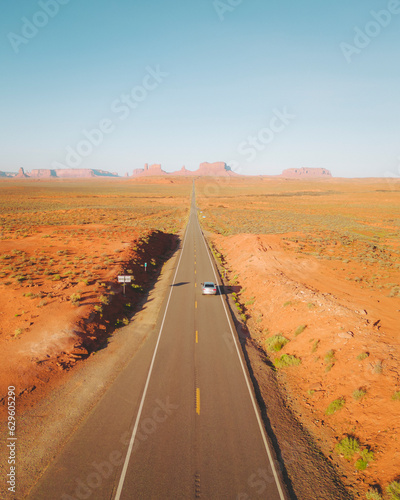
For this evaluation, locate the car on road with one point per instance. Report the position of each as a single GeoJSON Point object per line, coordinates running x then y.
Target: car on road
{"type": "Point", "coordinates": [208, 288]}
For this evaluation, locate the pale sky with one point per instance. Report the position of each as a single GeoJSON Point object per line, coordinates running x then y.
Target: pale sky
{"type": "Point", "coordinates": [261, 85]}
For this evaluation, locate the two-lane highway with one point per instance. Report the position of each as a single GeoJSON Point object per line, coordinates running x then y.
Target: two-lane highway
{"type": "Point", "coordinates": [181, 420]}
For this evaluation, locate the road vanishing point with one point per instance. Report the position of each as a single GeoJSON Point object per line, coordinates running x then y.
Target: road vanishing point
{"type": "Point", "coordinates": [181, 420]}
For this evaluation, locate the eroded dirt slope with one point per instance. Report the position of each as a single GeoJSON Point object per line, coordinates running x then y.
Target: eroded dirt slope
{"type": "Point", "coordinates": [345, 337]}
{"type": "Point", "coordinates": [68, 301]}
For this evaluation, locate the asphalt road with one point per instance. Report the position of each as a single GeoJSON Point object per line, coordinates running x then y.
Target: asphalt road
{"type": "Point", "coordinates": [180, 421]}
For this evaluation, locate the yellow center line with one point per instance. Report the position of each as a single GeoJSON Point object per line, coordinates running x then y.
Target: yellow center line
{"type": "Point", "coordinates": [195, 285]}
{"type": "Point", "coordinates": [195, 304]}
{"type": "Point", "coordinates": [198, 401]}
{"type": "Point", "coordinates": [197, 337]}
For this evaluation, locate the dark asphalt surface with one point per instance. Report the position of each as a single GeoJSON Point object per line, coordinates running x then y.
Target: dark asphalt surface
{"type": "Point", "coordinates": [180, 421]}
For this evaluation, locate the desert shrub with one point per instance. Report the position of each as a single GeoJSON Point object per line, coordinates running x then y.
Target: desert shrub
{"type": "Point", "coordinates": [378, 367]}
{"type": "Point", "coordinates": [276, 342]}
{"type": "Point", "coordinates": [362, 356]}
{"type": "Point", "coordinates": [17, 332]}
{"type": "Point", "coordinates": [287, 360]}
{"type": "Point", "coordinates": [335, 406]}
{"type": "Point", "coordinates": [348, 447]}
{"type": "Point", "coordinates": [394, 490]}
{"type": "Point", "coordinates": [330, 356]}
{"type": "Point", "coordinates": [396, 396]}
{"type": "Point", "coordinates": [288, 303]}
{"type": "Point", "coordinates": [373, 494]}
{"type": "Point", "coordinates": [75, 298]}
{"type": "Point", "coordinates": [329, 360]}
{"type": "Point", "coordinates": [359, 394]}
{"type": "Point", "coordinates": [366, 456]}
{"type": "Point", "coordinates": [104, 299]}
{"type": "Point", "coordinates": [315, 346]}
{"type": "Point", "coordinates": [300, 329]}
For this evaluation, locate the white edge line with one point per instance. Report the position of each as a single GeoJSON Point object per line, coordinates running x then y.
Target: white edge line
{"type": "Point", "coordinates": [135, 428]}
{"type": "Point", "coordinates": [255, 407]}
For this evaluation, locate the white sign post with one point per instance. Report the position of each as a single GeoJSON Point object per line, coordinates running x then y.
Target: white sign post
{"type": "Point", "coordinates": [124, 280]}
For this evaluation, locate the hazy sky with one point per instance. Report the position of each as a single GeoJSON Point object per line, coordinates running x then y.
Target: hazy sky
{"type": "Point", "coordinates": [262, 85]}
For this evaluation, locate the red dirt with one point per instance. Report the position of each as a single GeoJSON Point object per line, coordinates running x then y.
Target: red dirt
{"type": "Point", "coordinates": [281, 291]}
{"type": "Point", "coordinates": [43, 333]}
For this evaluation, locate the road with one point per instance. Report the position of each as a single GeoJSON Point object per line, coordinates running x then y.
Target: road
{"type": "Point", "coordinates": [180, 421]}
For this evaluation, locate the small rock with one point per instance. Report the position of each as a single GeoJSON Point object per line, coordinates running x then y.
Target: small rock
{"type": "Point", "coordinates": [346, 335]}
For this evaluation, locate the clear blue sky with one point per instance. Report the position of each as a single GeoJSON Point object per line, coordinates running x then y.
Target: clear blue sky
{"type": "Point", "coordinates": [262, 85]}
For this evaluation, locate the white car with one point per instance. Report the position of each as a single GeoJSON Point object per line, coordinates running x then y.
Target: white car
{"type": "Point", "coordinates": [208, 288]}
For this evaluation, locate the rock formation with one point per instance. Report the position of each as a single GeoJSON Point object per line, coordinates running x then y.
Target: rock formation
{"type": "Point", "coordinates": [69, 173]}
{"type": "Point", "coordinates": [21, 174]}
{"type": "Point", "coordinates": [218, 169]}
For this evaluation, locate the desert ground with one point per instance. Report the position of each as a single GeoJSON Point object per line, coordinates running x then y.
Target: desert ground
{"type": "Point", "coordinates": [63, 244]}
{"type": "Point", "coordinates": [312, 268]}
{"type": "Point", "coordinates": [314, 271]}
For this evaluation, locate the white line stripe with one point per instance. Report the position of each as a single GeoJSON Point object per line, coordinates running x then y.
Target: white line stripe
{"type": "Point", "coordinates": [132, 441]}
{"type": "Point", "coordinates": [255, 407]}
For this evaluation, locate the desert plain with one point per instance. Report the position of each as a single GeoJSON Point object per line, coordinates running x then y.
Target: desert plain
{"type": "Point", "coordinates": [312, 269]}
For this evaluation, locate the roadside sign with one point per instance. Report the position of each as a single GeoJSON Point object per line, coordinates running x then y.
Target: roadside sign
{"type": "Point", "coordinates": [145, 266]}
{"type": "Point", "coordinates": [124, 280]}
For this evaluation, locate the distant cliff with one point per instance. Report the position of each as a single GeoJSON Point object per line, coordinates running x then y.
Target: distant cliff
{"type": "Point", "coordinates": [47, 173]}
{"type": "Point", "coordinates": [306, 172]}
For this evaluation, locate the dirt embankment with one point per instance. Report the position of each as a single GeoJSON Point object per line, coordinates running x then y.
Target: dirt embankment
{"type": "Point", "coordinates": [336, 348]}
{"type": "Point", "coordinates": [65, 320]}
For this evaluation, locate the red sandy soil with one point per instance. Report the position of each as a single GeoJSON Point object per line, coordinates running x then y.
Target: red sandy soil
{"type": "Point", "coordinates": [43, 334]}
{"type": "Point", "coordinates": [282, 290]}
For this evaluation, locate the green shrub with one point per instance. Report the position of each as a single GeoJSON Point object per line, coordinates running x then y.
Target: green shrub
{"type": "Point", "coordinates": [75, 298]}
{"type": "Point", "coordinates": [300, 329]}
{"type": "Point", "coordinates": [366, 457]}
{"type": "Point", "coordinates": [104, 299]}
{"type": "Point", "coordinates": [362, 356]}
{"type": "Point", "coordinates": [396, 396]}
{"type": "Point", "coordinates": [287, 360]}
{"type": "Point", "coordinates": [373, 495]}
{"type": "Point", "coordinates": [315, 346]}
{"type": "Point", "coordinates": [347, 447]}
{"type": "Point", "coordinates": [335, 406]}
{"type": "Point", "coordinates": [359, 394]}
{"type": "Point", "coordinates": [276, 342]}
{"type": "Point", "coordinates": [394, 490]}
{"type": "Point", "coordinates": [330, 356]}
